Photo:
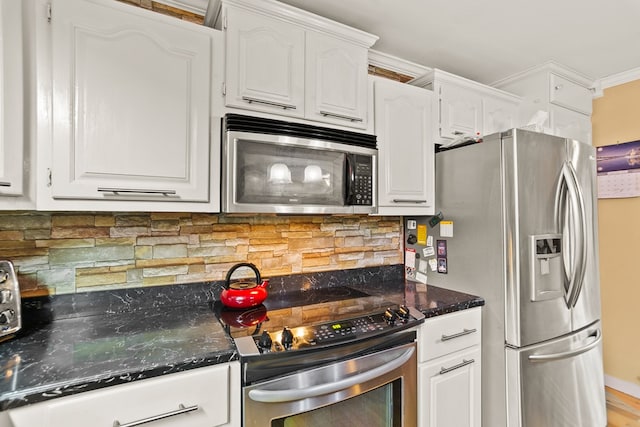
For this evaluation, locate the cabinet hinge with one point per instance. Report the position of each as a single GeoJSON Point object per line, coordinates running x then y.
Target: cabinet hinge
{"type": "Point", "coordinates": [224, 89]}
{"type": "Point", "coordinates": [48, 12]}
{"type": "Point", "coordinates": [48, 177]}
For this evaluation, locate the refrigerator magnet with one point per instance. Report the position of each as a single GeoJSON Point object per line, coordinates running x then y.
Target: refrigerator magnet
{"type": "Point", "coordinates": [422, 234]}
{"type": "Point", "coordinates": [442, 248]}
{"type": "Point", "coordinates": [442, 265]}
{"type": "Point", "coordinates": [433, 264]}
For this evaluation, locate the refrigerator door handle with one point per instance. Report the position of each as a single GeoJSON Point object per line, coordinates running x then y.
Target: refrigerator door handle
{"type": "Point", "coordinates": [568, 189]}
{"type": "Point", "coordinates": [577, 197]}
{"type": "Point", "coordinates": [571, 353]}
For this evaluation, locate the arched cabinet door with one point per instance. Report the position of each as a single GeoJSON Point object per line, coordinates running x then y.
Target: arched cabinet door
{"type": "Point", "coordinates": [264, 63]}
{"type": "Point", "coordinates": [11, 101]}
{"type": "Point", "coordinates": [336, 76]}
{"type": "Point", "coordinates": [131, 104]}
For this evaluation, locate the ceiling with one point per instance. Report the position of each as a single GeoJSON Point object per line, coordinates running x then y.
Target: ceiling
{"type": "Point", "coordinates": [489, 40]}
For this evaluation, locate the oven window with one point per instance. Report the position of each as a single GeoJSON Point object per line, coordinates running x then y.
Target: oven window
{"type": "Point", "coordinates": [278, 174]}
{"type": "Point", "coordinates": [380, 407]}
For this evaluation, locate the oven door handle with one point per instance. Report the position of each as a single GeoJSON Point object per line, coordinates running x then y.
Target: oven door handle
{"type": "Point", "coordinates": [290, 395]}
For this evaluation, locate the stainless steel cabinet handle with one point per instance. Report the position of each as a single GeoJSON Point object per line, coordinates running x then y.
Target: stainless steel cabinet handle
{"type": "Point", "coordinates": [408, 201]}
{"type": "Point", "coordinates": [136, 191]}
{"type": "Point", "coordinates": [457, 132]}
{"type": "Point", "coordinates": [251, 100]}
{"type": "Point", "coordinates": [459, 334]}
{"type": "Point", "coordinates": [459, 365]}
{"type": "Point", "coordinates": [182, 410]}
{"type": "Point", "coordinates": [340, 116]}
{"type": "Point", "coordinates": [557, 87]}
{"type": "Point", "coordinates": [5, 184]}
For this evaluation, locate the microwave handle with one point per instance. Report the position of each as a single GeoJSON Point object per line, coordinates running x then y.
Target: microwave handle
{"type": "Point", "coordinates": [350, 178]}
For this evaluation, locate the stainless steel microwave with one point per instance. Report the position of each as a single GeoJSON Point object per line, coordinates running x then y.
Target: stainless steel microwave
{"type": "Point", "coordinates": [273, 166]}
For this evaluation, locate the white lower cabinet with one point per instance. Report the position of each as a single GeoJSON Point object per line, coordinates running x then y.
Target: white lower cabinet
{"type": "Point", "coordinates": [204, 397]}
{"type": "Point", "coordinates": [449, 370]}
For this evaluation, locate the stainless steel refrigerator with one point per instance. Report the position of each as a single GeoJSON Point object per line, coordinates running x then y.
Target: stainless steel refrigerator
{"type": "Point", "coordinates": [524, 237]}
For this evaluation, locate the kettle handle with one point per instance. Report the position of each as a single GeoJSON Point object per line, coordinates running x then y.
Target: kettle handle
{"type": "Point", "coordinates": [237, 266]}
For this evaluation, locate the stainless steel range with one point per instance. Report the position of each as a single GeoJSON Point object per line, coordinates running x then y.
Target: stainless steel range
{"type": "Point", "coordinates": [336, 357]}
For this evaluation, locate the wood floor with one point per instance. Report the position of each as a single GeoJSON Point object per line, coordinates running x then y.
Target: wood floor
{"type": "Point", "coordinates": [622, 410]}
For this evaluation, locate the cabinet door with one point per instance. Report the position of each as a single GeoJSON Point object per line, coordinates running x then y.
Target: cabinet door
{"type": "Point", "coordinates": [336, 81]}
{"type": "Point", "coordinates": [498, 115]}
{"type": "Point", "coordinates": [11, 100]}
{"type": "Point", "coordinates": [460, 111]}
{"type": "Point", "coordinates": [403, 122]}
{"type": "Point", "coordinates": [203, 397]}
{"type": "Point", "coordinates": [131, 104]}
{"type": "Point", "coordinates": [265, 64]}
{"type": "Point", "coordinates": [449, 391]}
{"type": "Point", "coordinates": [570, 124]}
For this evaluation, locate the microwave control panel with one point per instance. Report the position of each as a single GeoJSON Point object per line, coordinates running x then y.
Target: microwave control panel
{"type": "Point", "coordinates": [362, 188]}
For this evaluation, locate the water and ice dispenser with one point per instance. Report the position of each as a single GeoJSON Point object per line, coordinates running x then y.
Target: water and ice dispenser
{"type": "Point", "coordinates": [546, 267]}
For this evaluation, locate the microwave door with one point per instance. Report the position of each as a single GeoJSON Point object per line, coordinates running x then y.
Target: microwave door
{"type": "Point", "coordinates": [286, 178]}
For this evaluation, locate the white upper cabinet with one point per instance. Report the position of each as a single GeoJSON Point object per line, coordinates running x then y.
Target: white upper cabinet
{"type": "Point", "coordinates": [468, 109]}
{"type": "Point", "coordinates": [498, 114]}
{"type": "Point", "coordinates": [460, 111]}
{"type": "Point", "coordinates": [559, 98]}
{"type": "Point", "coordinates": [132, 108]}
{"type": "Point", "coordinates": [406, 159]}
{"type": "Point", "coordinates": [336, 76]}
{"type": "Point", "coordinates": [12, 138]}
{"type": "Point", "coordinates": [264, 64]}
{"type": "Point", "coordinates": [286, 61]}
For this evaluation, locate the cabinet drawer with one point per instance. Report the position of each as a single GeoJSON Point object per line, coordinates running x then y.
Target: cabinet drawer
{"type": "Point", "coordinates": [204, 390]}
{"type": "Point", "coordinates": [448, 333]}
{"type": "Point", "coordinates": [570, 95]}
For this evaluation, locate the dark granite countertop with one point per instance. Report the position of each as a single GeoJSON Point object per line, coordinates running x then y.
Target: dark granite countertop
{"type": "Point", "coordinates": [75, 354]}
{"type": "Point", "coordinates": [87, 341]}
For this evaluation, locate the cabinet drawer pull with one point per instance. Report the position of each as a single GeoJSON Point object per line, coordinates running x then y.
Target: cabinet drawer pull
{"type": "Point", "coordinates": [181, 410]}
{"type": "Point", "coordinates": [251, 100]}
{"type": "Point", "coordinates": [459, 334]}
{"type": "Point", "coordinates": [459, 365]}
{"type": "Point", "coordinates": [340, 116]}
{"type": "Point", "coordinates": [5, 184]}
{"type": "Point", "coordinates": [408, 201]}
{"type": "Point", "coordinates": [557, 87]}
{"type": "Point", "coordinates": [118, 191]}
{"type": "Point", "coordinates": [457, 132]}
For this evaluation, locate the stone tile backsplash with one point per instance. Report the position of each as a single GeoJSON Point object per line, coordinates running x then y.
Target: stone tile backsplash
{"type": "Point", "coordinates": [59, 253]}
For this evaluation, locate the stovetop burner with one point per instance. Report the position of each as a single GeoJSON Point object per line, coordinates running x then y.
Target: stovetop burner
{"type": "Point", "coordinates": [308, 320]}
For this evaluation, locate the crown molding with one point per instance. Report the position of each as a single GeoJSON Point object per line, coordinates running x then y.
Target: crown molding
{"type": "Point", "coordinates": [395, 64]}
{"type": "Point", "coordinates": [549, 66]}
{"type": "Point", "coordinates": [616, 80]}
{"type": "Point", "coordinates": [296, 16]}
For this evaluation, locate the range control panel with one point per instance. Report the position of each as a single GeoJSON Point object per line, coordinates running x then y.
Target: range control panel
{"type": "Point", "coordinates": [326, 334]}
{"type": "Point", "coordinates": [10, 320]}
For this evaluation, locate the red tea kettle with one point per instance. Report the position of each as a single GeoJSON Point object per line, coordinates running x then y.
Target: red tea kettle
{"type": "Point", "coordinates": [243, 294]}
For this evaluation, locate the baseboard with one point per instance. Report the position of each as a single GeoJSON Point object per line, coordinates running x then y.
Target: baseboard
{"type": "Point", "coordinates": [623, 386]}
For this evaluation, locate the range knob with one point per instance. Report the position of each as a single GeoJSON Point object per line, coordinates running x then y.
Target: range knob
{"type": "Point", "coordinates": [287, 338]}
{"type": "Point", "coordinates": [403, 312]}
{"type": "Point", "coordinates": [264, 342]}
{"type": "Point", "coordinates": [6, 316]}
{"type": "Point", "coordinates": [389, 316]}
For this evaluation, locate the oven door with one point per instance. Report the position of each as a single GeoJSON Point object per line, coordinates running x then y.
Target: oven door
{"type": "Point", "coordinates": [374, 390]}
